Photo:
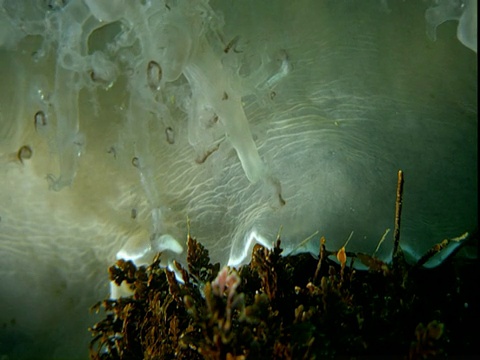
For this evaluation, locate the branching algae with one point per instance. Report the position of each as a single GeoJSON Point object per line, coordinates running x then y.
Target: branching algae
{"type": "Point", "coordinates": [291, 307]}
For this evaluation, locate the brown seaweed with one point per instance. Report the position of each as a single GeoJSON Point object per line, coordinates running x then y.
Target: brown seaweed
{"type": "Point", "coordinates": [291, 307]}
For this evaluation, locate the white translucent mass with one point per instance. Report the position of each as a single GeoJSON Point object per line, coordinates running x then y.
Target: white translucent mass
{"type": "Point", "coordinates": [244, 118]}
{"type": "Point", "coordinates": [464, 11]}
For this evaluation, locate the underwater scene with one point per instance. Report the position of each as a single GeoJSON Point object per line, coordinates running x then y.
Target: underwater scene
{"type": "Point", "coordinates": [238, 179]}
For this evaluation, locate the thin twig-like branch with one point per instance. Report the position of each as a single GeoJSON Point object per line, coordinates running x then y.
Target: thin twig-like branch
{"type": "Point", "coordinates": [398, 214]}
{"type": "Point", "coordinates": [435, 249]}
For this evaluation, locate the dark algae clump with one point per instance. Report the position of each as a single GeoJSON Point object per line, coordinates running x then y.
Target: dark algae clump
{"type": "Point", "coordinates": [292, 307]}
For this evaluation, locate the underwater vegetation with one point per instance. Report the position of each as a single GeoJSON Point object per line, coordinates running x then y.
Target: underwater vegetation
{"type": "Point", "coordinates": [294, 307]}
{"type": "Point", "coordinates": [120, 119]}
{"type": "Point", "coordinates": [291, 307]}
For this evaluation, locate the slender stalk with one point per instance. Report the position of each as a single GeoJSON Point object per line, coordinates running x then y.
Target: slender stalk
{"type": "Point", "coordinates": [398, 213]}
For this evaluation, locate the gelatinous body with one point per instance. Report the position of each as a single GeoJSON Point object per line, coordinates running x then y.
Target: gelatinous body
{"type": "Point", "coordinates": [300, 122]}
{"type": "Point", "coordinates": [464, 11]}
